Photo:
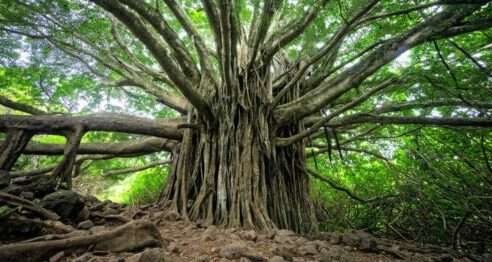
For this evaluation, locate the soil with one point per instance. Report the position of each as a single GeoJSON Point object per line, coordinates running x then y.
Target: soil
{"type": "Point", "coordinates": [182, 240]}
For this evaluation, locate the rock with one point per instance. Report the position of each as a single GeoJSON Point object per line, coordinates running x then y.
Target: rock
{"type": "Point", "coordinates": [308, 249]}
{"type": "Point", "coordinates": [97, 229]}
{"type": "Point", "coordinates": [285, 232]}
{"type": "Point", "coordinates": [83, 258]}
{"type": "Point", "coordinates": [173, 247]}
{"type": "Point", "coordinates": [86, 224]}
{"type": "Point", "coordinates": [209, 233]}
{"type": "Point", "coordinates": [231, 230]}
{"type": "Point", "coordinates": [203, 258]}
{"type": "Point", "coordinates": [157, 215]}
{"type": "Point", "coordinates": [207, 237]}
{"type": "Point", "coordinates": [300, 241]}
{"type": "Point", "coordinates": [232, 251]}
{"type": "Point", "coordinates": [335, 239]}
{"type": "Point", "coordinates": [277, 259]}
{"type": "Point", "coordinates": [27, 195]}
{"type": "Point", "coordinates": [249, 235]}
{"type": "Point", "coordinates": [243, 259]}
{"type": "Point", "coordinates": [4, 179]}
{"type": "Point", "coordinates": [266, 236]}
{"type": "Point", "coordinates": [84, 214]}
{"type": "Point", "coordinates": [172, 216]}
{"type": "Point", "coordinates": [149, 255]}
{"type": "Point", "coordinates": [191, 227]}
{"type": "Point", "coordinates": [132, 236]}
{"type": "Point", "coordinates": [67, 204]}
{"type": "Point", "coordinates": [40, 186]}
{"type": "Point", "coordinates": [57, 257]}
{"type": "Point", "coordinates": [335, 254]}
{"type": "Point", "coordinates": [445, 258]}
{"type": "Point", "coordinates": [351, 239]}
{"type": "Point", "coordinates": [210, 230]}
{"type": "Point", "coordinates": [320, 244]}
{"type": "Point", "coordinates": [368, 245]}
{"type": "Point", "coordinates": [284, 238]}
{"type": "Point", "coordinates": [285, 251]}
{"type": "Point", "coordinates": [110, 211]}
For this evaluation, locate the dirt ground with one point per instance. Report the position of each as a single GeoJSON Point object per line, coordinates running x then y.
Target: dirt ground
{"type": "Point", "coordinates": [106, 231]}
{"type": "Point", "coordinates": [186, 241]}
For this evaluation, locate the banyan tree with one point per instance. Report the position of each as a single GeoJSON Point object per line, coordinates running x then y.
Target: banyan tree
{"type": "Point", "coordinates": [251, 85]}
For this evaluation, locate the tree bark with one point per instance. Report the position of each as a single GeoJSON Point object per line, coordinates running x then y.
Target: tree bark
{"type": "Point", "coordinates": [64, 169]}
{"type": "Point", "coordinates": [12, 147]}
{"type": "Point", "coordinates": [230, 173]}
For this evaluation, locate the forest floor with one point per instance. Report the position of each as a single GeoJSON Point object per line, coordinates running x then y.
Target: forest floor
{"type": "Point", "coordinates": [109, 231]}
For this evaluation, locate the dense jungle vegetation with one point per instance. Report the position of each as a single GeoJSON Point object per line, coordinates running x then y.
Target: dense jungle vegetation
{"type": "Point", "coordinates": [307, 115]}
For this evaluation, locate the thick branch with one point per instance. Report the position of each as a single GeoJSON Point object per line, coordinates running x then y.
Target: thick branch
{"type": "Point", "coordinates": [261, 30]}
{"type": "Point", "coordinates": [144, 146]}
{"type": "Point", "coordinates": [426, 104]}
{"type": "Point", "coordinates": [400, 120]}
{"type": "Point", "coordinates": [138, 28]}
{"type": "Point", "coordinates": [200, 46]}
{"type": "Point", "coordinates": [295, 29]}
{"type": "Point", "coordinates": [432, 28]}
{"type": "Point", "coordinates": [136, 169]}
{"type": "Point", "coordinates": [65, 168]}
{"type": "Point", "coordinates": [325, 149]}
{"type": "Point", "coordinates": [316, 126]}
{"type": "Point", "coordinates": [11, 149]}
{"type": "Point", "coordinates": [163, 28]}
{"type": "Point", "coordinates": [55, 124]}
{"type": "Point", "coordinates": [20, 107]}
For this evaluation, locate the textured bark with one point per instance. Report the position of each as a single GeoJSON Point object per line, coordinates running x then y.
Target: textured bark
{"type": "Point", "coordinates": [58, 124]}
{"type": "Point", "coordinates": [143, 146]}
{"type": "Point", "coordinates": [231, 173]}
{"type": "Point", "coordinates": [12, 147]}
{"type": "Point", "coordinates": [65, 168]}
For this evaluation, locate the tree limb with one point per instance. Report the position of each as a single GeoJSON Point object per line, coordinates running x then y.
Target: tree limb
{"type": "Point", "coordinates": [20, 107]}
{"type": "Point", "coordinates": [122, 171]}
{"type": "Point", "coordinates": [119, 149]}
{"type": "Point", "coordinates": [434, 27]}
{"type": "Point", "coordinates": [56, 124]}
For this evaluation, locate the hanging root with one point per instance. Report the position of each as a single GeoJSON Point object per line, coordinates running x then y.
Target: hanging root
{"type": "Point", "coordinates": [132, 236]}
{"type": "Point", "coordinates": [231, 174]}
{"type": "Point", "coordinates": [12, 147]}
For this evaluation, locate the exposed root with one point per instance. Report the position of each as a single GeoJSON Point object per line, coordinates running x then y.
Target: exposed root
{"type": "Point", "coordinates": [57, 226]}
{"type": "Point", "coordinates": [132, 236]}
{"type": "Point", "coordinates": [21, 202]}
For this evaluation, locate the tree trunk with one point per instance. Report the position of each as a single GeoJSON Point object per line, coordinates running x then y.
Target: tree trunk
{"type": "Point", "coordinates": [12, 147]}
{"type": "Point", "coordinates": [230, 173]}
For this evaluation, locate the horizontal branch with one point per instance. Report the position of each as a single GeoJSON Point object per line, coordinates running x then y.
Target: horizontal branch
{"type": "Point", "coordinates": [140, 30]}
{"type": "Point", "coordinates": [20, 106]}
{"type": "Point", "coordinates": [55, 124]}
{"type": "Point", "coordinates": [430, 104]}
{"type": "Point", "coordinates": [433, 28]}
{"type": "Point", "coordinates": [78, 162]}
{"type": "Point", "coordinates": [324, 119]}
{"type": "Point", "coordinates": [325, 149]}
{"type": "Point", "coordinates": [349, 193]}
{"type": "Point", "coordinates": [408, 120]}
{"type": "Point", "coordinates": [122, 171]}
{"type": "Point", "coordinates": [143, 146]}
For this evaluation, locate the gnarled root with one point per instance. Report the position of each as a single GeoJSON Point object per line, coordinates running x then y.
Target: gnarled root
{"type": "Point", "coordinates": [132, 236]}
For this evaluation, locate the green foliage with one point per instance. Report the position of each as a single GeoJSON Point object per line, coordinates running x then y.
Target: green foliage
{"type": "Point", "coordinates": [438, 179]}
{"type": "Point", "coordinates": [138, 188]}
